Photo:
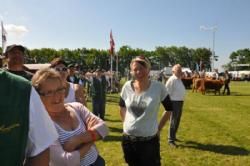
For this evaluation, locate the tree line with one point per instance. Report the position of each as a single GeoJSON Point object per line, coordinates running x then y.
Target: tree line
{"type": "Point", "coordinates": [161, 57]}
{"type": "Point", "coordinates": [241, 56]}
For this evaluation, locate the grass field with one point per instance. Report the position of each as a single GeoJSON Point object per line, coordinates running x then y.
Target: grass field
{"type": "Point", "coordinates": [214, 130]}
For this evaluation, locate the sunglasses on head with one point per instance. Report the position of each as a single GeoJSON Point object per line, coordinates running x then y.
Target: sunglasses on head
{"type": "Point", "coordinates": [141, 57]}
{"type": "Point", "coordinates": [61, 69]}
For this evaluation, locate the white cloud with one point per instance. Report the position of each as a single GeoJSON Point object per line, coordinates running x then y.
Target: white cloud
{"type": "Point", "coordinates": [18, 30]}
{"type": "Point", "coordinates": [15, 33]}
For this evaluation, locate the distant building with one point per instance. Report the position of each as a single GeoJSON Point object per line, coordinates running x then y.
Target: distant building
{"type": "Point", "coordinates": [34, 67]}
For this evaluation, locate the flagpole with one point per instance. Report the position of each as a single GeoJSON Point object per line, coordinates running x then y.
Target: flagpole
{"type": "Point", "coordinates": [117, 62]}
{"type": "Point", "coordinates": [3, 37]}
{"type": "Point", "coordinates": [111, 66]}
{"type": "Point", "coordinates": [112, 53]}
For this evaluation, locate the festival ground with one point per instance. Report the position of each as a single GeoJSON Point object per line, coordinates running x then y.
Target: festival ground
{"type": "Point", "coordinates": [214, 130]}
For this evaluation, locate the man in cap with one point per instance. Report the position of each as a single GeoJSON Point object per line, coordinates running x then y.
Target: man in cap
{"type": "Point", "coordinates": [72, 74]}
{"type": "Point", "coordinates": [98, 93]}
{"type": "Point", "coordinates": [15, 58]}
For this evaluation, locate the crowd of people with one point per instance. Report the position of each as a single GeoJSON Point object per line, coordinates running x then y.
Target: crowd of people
{"type": "Point", "coordinates": [45, 119]}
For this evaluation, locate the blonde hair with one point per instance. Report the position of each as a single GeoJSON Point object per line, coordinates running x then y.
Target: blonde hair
{"type": "Point", "coordinates": [44, 74]}
{"type": "Point", "coordinates": [142, 60]}
{"type": "Point", "coordinates": [175, 67]}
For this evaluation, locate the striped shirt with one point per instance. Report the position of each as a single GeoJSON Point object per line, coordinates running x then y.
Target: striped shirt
{"type": "Point", "coordinates": [91, 156]}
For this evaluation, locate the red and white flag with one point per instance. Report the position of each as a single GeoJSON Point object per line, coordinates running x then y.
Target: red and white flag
{"type": "Point", "coordinates": [4, 37]}
{"type": "Point", "coordinates": [112, 44]}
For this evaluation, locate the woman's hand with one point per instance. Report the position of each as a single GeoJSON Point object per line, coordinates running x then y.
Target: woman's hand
{"type": "Point", "coordinates": [91, 122]}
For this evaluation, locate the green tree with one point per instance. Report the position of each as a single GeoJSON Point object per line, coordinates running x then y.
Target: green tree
{"type": "Point", "coordinates": [203, 55]}
{"type": "Point", "coordinates": [125, 54]}
{"type": "Point", "coordinates": [241, 56]}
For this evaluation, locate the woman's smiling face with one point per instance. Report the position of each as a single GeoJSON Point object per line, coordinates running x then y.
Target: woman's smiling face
{"type": "Point", "coordinates": [139, 71]}
{"type": "Point", "coordinates": [52, 94]}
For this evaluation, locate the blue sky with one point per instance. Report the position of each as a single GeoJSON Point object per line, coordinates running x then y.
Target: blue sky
{"type": "Point", "coordinates": [138, 23]}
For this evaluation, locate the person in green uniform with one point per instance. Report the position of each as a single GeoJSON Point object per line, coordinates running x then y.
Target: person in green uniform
{"type": "Point", "coordinates": [26, 131]}
{"type": "Point", "coordinates": [98, 93]}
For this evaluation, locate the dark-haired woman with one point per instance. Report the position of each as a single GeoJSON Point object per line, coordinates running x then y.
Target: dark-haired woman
{"type": "Point", "coordinates": [74, 92]}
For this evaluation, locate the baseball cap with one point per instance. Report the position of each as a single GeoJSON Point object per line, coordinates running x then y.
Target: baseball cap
{"type": "Point", "coordinates": [10, 47]}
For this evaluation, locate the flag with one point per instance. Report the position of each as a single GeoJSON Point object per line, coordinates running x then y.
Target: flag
{"type": "Point", "coordinates": [112, 43]}
{"type": "Point", "coordinates": [4, 38]}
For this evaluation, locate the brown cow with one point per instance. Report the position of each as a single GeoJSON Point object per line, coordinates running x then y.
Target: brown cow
{"type": "Point", "coordinates": [187, 82]}
{"type": "Point", "coordinates": [215, 85]}
{"type": "Point", "coordinates": [198, 84]}
{"type": "Point", "coordinates": [204, 85]}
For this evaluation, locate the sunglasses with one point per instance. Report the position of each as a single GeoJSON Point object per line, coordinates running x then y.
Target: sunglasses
{"type": "Point", "coordinates": [61, 69]}
{"type": "Point", "coordinates": [142, 60]}
{"type": "Point", "coordinates": [52, 93]}
{"type": "Point", "coordinates": [141, 57]}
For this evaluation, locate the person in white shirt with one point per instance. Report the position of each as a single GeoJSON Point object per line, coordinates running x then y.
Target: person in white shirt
{"type": "Point", "coordinates": [176, 91]}
{"type": "Point", "coordinates": [139, 106]}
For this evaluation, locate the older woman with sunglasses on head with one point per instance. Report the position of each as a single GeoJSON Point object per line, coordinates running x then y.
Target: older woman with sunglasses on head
{"type": "Point", "coordinates": [78, 128]}
{"type": "Point", "coordinates": [139, 106]}
{"type": "Point", "coordinates": [73, 92]}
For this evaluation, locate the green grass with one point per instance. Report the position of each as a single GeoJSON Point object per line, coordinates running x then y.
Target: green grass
{"type": "Point", "coordinates": [214, 130]}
